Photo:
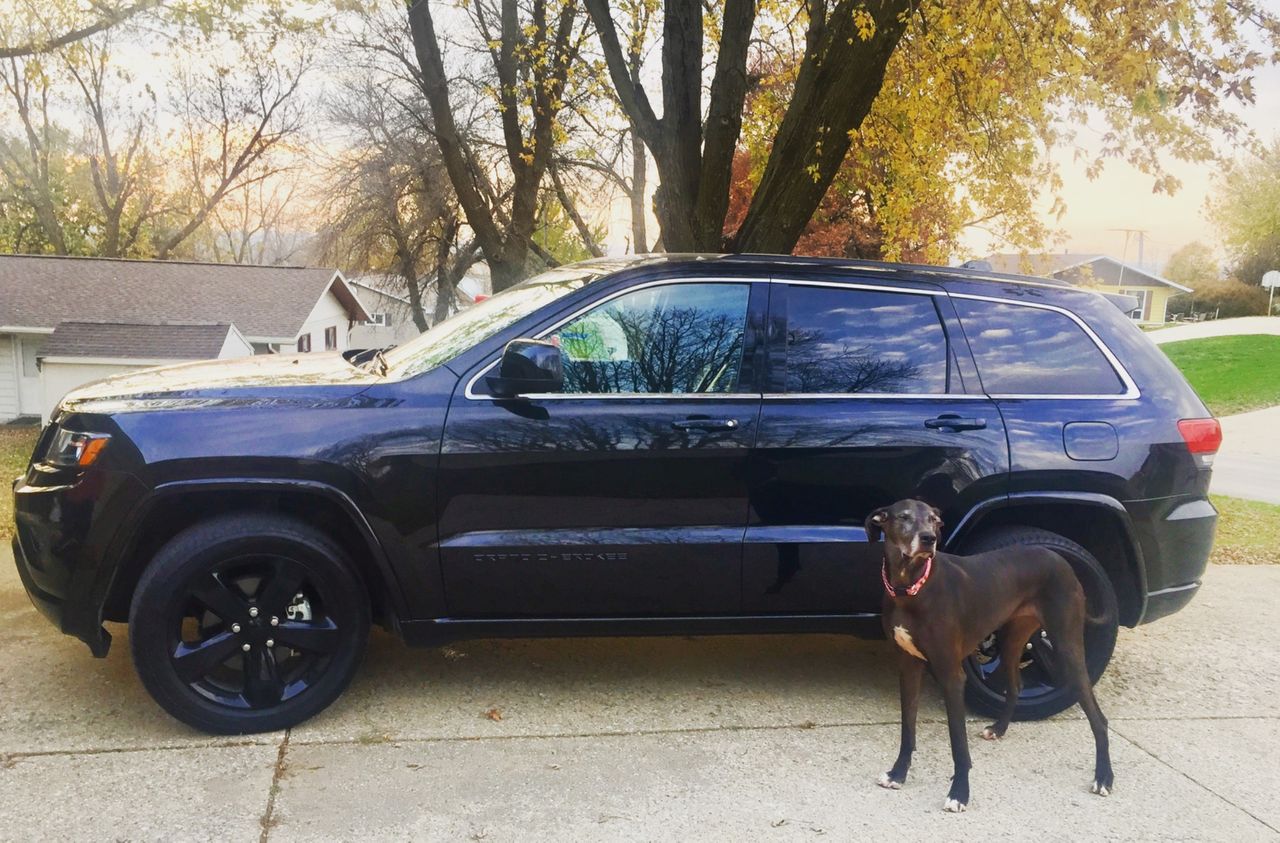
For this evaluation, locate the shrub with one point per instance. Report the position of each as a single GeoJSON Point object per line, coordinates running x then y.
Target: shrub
{"type": "Point", "coordinates": [1228, 297]}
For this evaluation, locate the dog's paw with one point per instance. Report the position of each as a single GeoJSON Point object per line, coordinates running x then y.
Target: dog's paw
{"type": "Point", "coordinates": [886, 780]}
{"type": "Point", "coordinates": [1100, 789]}
{"type": "Point", "coordinates": [991, 734]}
{"type": "Point", "coordinates": [955, 806]}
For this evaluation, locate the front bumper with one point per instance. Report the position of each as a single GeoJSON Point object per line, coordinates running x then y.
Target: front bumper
{"type": "Point", "coordinates": [64, 529]}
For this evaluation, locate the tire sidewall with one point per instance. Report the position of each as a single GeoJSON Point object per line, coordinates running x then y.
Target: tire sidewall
{"type": "Point", "coordinates": [1101, 605]}
{"type": "Point", "coordinates": [165, 586]}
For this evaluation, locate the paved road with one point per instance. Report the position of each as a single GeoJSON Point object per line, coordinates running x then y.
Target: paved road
{"type": "Point", "coordinates": [755, 738]}
{"type": "Point", "coordinates": [1248, 466]}
{"type": "Point", "coordinates": [1217, 328]}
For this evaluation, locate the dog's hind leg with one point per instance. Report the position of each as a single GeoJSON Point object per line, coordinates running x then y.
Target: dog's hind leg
{"type": "Point", "coordinates": [1013, 638]}
{"type": "Point", "coordinates": [1070, 637]}
{"type": "Point", "coordinates": [910, 675]}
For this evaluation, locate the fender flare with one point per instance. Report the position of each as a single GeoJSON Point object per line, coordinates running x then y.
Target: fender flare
{"type": "Point", "coordinates": [972, 521]}
{"type": "Point", "coordinates": [164, 491]}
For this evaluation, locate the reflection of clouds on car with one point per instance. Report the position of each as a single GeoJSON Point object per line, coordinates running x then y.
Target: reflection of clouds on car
{"type": "Point", "coordinates": [861, 341]}
{"type": "Point", "coordinates": [1023, 350]}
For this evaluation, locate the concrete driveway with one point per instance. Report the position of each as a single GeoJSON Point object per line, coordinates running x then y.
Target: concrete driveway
{"type": "Point", "coordinates": [752, 738]}
{"type": "Point", "coordinates": [1217, 328]}
{"type": "Point", "coordinates": [1248, 465]}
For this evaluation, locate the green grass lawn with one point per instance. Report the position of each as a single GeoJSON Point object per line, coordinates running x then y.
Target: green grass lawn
{"type": "Point", "coordinates": [1232, 374]}
{"type": "Point", "coordinates": [15, 449]}
{"type": "Point", "coordinates": [1248, 532]}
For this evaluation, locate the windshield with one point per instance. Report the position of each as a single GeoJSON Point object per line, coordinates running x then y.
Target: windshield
{"type": "Point", "coordinates": [446, 340]}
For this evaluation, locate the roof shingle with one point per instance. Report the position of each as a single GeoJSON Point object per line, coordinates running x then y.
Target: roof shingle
{"type": "Point", "coordinates": [155, 341]}
{"type": "Point", "coordinates": [262, 301]}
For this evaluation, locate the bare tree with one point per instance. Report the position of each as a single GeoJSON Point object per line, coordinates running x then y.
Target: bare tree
{"type": "Point", "coordinates": [30, 160]}
{"type": "Point", "coordinates": [390, 209]}
{"type": "Point", "coordinates": [49, 26]}
{"type": "Point", "coordinates": [233, 118]}
{"type": "Point", "coordinates": [533, 51]}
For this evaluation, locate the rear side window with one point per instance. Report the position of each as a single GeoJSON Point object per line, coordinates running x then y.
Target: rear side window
{"type": "Point", "coordinates": [843, 342]}
{"type": "Point", "coordinates": [1030, 351]}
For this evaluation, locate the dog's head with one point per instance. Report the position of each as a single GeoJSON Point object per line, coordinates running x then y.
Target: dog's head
{"type": "Point", "coordinates": [910, 530]}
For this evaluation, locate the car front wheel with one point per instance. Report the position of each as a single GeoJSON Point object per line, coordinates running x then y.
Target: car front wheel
{"type": "Point", "coordinates": [1042, 695]}
{"type": "Point", "coordinates": [248, 622]}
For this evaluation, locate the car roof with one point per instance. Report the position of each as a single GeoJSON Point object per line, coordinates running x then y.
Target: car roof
{"type": "Point", "coordinates": [804, 265]}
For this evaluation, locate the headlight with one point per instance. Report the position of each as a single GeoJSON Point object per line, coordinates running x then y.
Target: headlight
{"type": "Point", "coordinates": [70, 448]}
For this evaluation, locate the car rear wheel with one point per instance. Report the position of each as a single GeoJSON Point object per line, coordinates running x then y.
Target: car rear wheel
{"type": "Point", "coordinates": [1042, 695]}
{"type": "Point", "coordinates": [248, 623]}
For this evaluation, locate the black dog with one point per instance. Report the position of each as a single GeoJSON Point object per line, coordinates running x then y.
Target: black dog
{"type": "Point", "coordinates": [939, 608]}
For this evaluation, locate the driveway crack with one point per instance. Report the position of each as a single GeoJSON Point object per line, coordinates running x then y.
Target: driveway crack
{"type": "Point", "coordinates": [269, 820]}
{"type": "Point", "coordinates": [1196, 781]}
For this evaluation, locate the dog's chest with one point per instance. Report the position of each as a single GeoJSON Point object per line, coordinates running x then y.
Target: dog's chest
{"type": "Point", "coordinates": [902, 636]}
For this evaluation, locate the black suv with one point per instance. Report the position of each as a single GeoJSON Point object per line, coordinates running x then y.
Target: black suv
{"type": "Point", "coordinates": [664, 444]}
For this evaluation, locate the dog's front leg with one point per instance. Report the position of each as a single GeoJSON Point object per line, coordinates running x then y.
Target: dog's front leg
{"type": "Point", "coordinates": [910, 674]}
{"type": "Point", "coordinates": [952, 682]}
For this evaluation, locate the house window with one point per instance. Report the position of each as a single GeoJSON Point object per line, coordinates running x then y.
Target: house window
{"type": "Point", "coordinates": [330, 339]}
{"type": "Point", "coordinates": [383, 319]}
{"type": "Point", "coordinates": [1138, 313]}
{"type": "Point", "coordinates": [31, 349]}
{"type": "Point", "coordinates": [304, 343]}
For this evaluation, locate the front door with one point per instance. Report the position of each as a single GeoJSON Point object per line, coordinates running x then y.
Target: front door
{"type": "Point", "coordinates": [866, 403]}
{"type": "Point", "coordinates": [625, 495]}
{"type": "Point", "coordinates": [30, 391]}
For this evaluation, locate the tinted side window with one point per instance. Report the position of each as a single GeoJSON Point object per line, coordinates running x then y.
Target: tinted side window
{"type": "Point", "coordinates": [862, 341]}
{"type": "Point", "coordinates": [677, 338]}
{"type": "Point", "coordinates": [1029, 351]}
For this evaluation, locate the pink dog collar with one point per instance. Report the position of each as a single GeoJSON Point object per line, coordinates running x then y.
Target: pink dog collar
{"type": "Point", "coordinates": [913, 589]}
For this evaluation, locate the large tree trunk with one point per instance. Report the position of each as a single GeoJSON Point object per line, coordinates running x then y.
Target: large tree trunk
{"type": "Point", "coordinates": [839, 79]}
{"type": "Point", "coordinates": [841, 73]}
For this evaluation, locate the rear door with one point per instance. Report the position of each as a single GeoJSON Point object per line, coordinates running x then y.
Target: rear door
{"type": "Point", "coordinates": [870, 397]}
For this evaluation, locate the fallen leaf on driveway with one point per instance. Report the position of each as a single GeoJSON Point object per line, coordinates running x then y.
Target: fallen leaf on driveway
{"type": "Point", "coordinates": [494, 714]}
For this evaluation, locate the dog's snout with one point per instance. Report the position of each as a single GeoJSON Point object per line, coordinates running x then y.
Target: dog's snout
{"type": "Point", "coordinates": [928, 538]}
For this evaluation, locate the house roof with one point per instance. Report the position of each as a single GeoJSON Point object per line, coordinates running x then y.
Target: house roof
{"type": "Point", "coordinates": [1079, 267]}
{"type": "Point", "coordinates": [151, 341]}
{"type": "Point", "coordinates": [264, 302]}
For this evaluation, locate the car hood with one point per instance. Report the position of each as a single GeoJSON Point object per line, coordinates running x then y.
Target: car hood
{"type": "Point", "coordinates": [261, 377]}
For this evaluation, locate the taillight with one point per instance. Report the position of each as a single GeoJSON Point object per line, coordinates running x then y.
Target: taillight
{"type": "Point", "coordinates": [1203, 438]}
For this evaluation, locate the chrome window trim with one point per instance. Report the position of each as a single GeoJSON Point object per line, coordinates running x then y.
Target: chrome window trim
{"type": "Point", "coordinates": [1131, 388]}
{"type": "Point", "coordinates": [856, 285]}
{"type": "Point", "coordinates": [893, 396]}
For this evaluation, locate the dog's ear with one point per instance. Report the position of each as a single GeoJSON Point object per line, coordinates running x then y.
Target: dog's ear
{"type": "Point", "coordinates": [875, 524]}
{"type": "Point", "coordinates": [936, 514]}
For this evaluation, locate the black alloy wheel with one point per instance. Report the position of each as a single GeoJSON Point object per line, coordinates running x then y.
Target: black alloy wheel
{"type": "Point", "coordinates": [248, 623]}
{"type": "Point", "coordinates": [1042, 695]}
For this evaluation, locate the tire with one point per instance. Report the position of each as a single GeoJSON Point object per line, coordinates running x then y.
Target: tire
{"type": "Point", "coordinates": [248, 622]}
{"type": "Point", "coordinates": [1041, 696]}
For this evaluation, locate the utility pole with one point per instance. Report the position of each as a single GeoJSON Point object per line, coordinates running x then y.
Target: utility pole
{"type": "Point", "coordinates": [1142, 242]}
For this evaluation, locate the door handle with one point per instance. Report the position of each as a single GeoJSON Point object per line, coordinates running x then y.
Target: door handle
{"type": "Point", "coordinates": [951, 421]}
{"type": "Point", "coordinates": [705, 424]}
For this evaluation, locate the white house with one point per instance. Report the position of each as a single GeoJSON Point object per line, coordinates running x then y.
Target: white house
{"type": "Point", "coordinates": [1149, 291]}
{"type": "Point", "coordinates": [77, 353]}
{"type": "Point", "coordinates": [391, 314]}
{"type": "Point", "coordinates": [164, 311]}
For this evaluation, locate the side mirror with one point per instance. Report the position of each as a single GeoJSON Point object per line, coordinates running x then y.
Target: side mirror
{"type": "Point", "coordinates": [527, 366]}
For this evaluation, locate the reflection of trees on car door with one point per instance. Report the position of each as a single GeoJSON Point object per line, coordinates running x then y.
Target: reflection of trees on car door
{"type": "Point", "coordinates": [626, 494]}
